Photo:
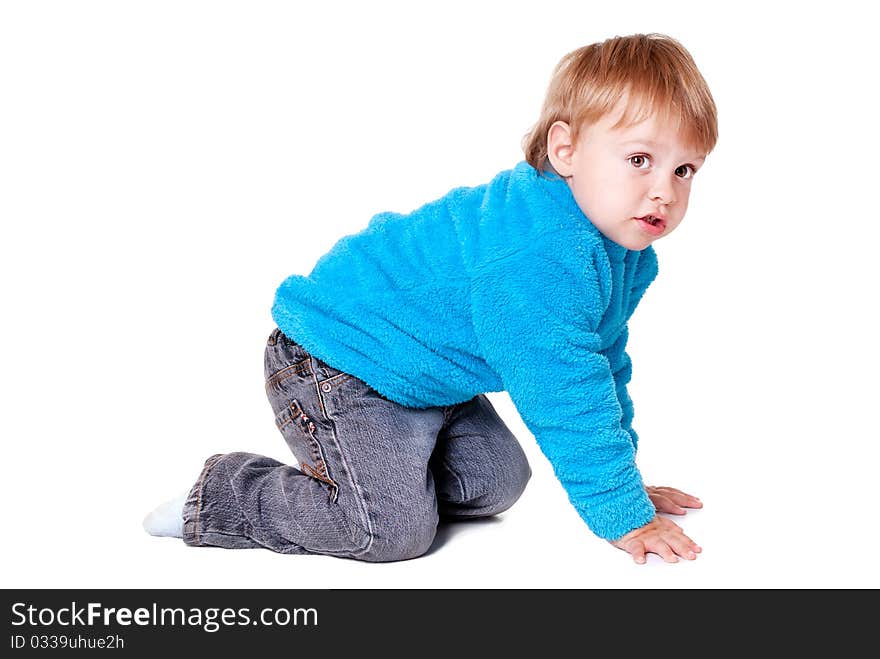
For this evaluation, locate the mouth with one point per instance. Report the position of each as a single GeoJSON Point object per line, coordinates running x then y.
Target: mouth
{"type": "Point", "coordinates": [652, 224]}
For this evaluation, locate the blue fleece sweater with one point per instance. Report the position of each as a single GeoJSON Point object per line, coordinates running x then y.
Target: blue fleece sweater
{"type": "Point", "coordinates": [503, 286]}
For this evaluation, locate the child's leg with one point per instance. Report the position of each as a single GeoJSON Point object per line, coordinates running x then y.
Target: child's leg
{"type": "Point", "coordinates": [479, 467]}
{"type": "Point", "coordinates": [363, 488]}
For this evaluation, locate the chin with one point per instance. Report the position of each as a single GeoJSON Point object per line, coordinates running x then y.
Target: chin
{"type": "Point", "coordinates": [636, 245]}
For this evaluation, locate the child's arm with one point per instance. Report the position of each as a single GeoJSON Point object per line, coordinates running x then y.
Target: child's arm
{"type": "Point", "coordinates": [621, 371]}
{"type": "Point", "coordinates": [621, 365]}
{"type": "Point", "coordinates": [649, 538]}
{"type": "Point", "coordinates": [536, 320]}
{"type": "Point", "coordinates": [660, 536]}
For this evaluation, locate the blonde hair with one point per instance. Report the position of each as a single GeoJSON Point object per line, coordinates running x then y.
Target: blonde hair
{"type": "Point", "coordinates": [653, 71]}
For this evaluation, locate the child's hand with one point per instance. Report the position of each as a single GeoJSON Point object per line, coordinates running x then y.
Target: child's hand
{"type": "Point", "coordinates": [670, 500]}
{"type": "Point", "coordinates": [660, 536]}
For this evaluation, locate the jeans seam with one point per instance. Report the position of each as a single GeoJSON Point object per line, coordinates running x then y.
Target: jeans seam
{"type": "Point", "coordinates": [313, 368]}
{"type": "Point", "coordinates": [297, 368]}
{"type": "Point", "coordinates": [361, 504]}
{"type": "Point", "coordinates": [201, 487]}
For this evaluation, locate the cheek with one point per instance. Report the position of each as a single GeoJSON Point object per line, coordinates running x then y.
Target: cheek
{"type": "Point", "coordinates": [598, 205]}
{"type": "Point", "coordinates": [681, 207]}
{"type": "Point", "coordinates": [683, 198]}
{"type": "Point", "coordinates": [617, 188]}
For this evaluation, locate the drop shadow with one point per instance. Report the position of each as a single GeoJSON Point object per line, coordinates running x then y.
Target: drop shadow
{"type": "Point", "coordinates": [447, 528]}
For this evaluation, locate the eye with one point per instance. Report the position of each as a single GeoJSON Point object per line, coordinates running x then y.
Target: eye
{"type": "Point", "coordinates": [686, 171]}
{"type": "Point", "coordinates": [639, 161]}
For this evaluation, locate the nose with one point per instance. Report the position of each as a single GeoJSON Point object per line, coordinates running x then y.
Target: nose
{"type": "Point", "coordinates": [661, 191]}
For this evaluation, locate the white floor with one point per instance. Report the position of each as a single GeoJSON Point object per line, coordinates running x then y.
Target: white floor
{"type": "Point", "coordinates": [73, 527]}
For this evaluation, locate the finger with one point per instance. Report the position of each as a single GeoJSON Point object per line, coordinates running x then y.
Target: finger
{"type": "Point", "coordinates": [683, 546]}
{"type": "Point", "coordinates": [684, 499]}
{"type": "Point", "coordinates": [664, 551]}
{"type": "Point", "coordinates": [673, 491]}
{"type": "Point", "coordinates": [665, 505]}
{"type": "Point", "coordinates": [679, 497]}
{"type": "Point", "coordinates": [678, 539]}
{"type": "Point", "coordinates": [637, 550]}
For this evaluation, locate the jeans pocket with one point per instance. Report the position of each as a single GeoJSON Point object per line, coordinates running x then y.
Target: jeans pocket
{"type": "Point", "coordinates": [299, 432]}
{"type": "Point", "coordinates": [278, 372]}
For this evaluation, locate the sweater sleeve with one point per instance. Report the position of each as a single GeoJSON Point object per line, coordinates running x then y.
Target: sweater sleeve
{"type": "Point", "coordinates": [618, 358]}
{"type": "Point", "coordinates": [536, 319]}
{"type": "Point", "coordinates": [621, 371]}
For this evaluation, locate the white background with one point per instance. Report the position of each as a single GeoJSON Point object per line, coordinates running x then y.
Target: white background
{"type": "Point", "coordinates": [164, 165]}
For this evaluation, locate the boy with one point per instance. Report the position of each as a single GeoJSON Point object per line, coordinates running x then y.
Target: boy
{"type": "Point", "coordinates": [378, 367]}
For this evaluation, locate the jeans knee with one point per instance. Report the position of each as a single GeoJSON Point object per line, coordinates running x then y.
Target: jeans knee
{"type": "Point", "coordinates": [401, 535]}
{"type": "Point", "coordinates": [492, 494]}
{"type": "Point", "coordinates": [512, 485]}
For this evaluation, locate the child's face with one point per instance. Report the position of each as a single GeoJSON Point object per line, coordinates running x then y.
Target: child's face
{"type": "Point", "coordinates": [620, 176]}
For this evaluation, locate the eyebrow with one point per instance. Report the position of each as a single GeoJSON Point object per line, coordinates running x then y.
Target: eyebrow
{"type": "Point", "coordinates": [653, 145]}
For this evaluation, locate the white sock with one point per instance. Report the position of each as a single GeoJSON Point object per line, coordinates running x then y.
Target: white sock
{"type": "Point", "coordinates": [167, 519]}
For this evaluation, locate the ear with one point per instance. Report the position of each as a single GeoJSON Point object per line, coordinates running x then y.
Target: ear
{"type": "Point", "coordinates": [560, 149]}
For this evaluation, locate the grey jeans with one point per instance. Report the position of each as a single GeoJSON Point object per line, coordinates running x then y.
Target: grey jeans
{"type": "Point", "coordinates": [374, 476]}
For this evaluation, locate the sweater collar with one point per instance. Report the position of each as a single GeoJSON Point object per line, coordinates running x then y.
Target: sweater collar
{"type": "Point", "coordinates": [558, 190]}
